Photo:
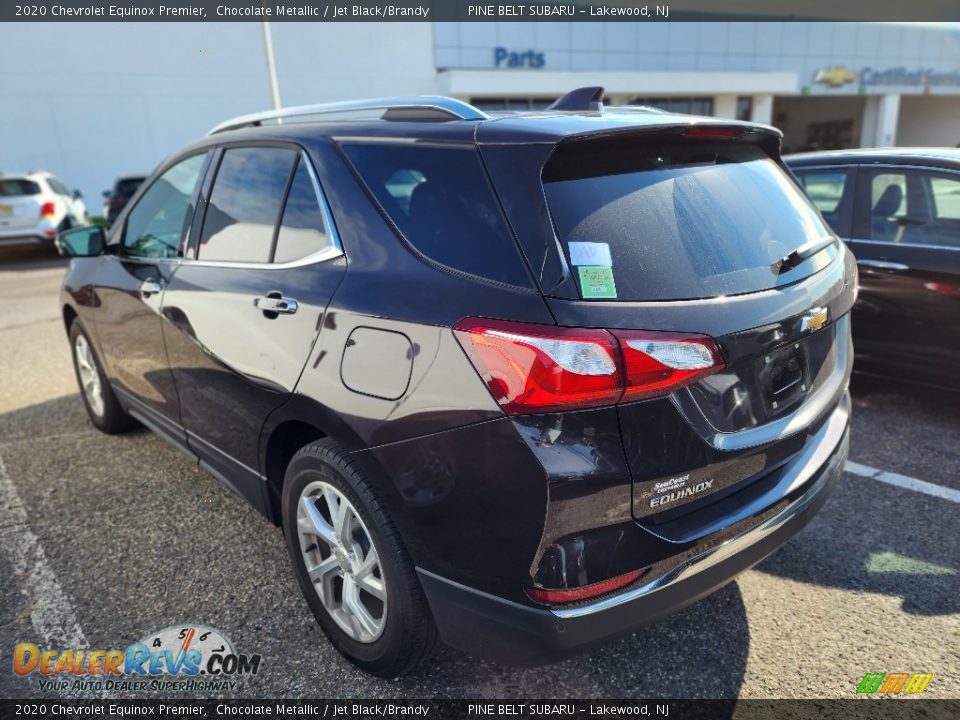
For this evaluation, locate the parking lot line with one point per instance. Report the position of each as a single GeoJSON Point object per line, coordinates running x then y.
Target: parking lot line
{"type": "Point", "coordinates": [51, 614]}
{"type": "Point", "coordinates": [903, 481]}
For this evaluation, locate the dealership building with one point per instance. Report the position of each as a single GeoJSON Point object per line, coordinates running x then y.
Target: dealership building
{"type": "Point", "coordinates": [91, 101]}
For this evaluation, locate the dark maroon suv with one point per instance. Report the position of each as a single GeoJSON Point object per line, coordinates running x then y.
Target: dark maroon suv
{"type": "Point", "coordinates": [522, 382]}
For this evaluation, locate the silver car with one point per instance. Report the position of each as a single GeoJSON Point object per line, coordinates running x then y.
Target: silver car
{"type": "Point", "coordinates": [34, 206]}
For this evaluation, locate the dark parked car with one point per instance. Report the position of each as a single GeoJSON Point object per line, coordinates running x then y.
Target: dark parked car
{"type": "Point", "coordinates": [116, 199]}
{"type": "Point", "coordinates": [525, 382]}
{"type": "Point", "coordinates": [899, 211]}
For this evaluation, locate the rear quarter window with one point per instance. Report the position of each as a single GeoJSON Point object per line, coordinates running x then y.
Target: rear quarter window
{"type": "Point", "coordinates": [441, 201]}
{"type": "Point", "coordinates": [678, 221]}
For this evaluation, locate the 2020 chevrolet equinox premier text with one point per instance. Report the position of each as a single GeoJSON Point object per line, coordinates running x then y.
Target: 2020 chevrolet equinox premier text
{"type": "Point", "coordinates": [522, 382]}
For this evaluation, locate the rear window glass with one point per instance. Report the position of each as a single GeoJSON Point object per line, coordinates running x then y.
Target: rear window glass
{"type": "Point", "coordinates": [128, 186]}
{"type": "Point", "coordinates": [441, 201]}
{"type": "Point", "coordinates": [678, 221]}
{"type": "Point", "coordinates": [12, 187]}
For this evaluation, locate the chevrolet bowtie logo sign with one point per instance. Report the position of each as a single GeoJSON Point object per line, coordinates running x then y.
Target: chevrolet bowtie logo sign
{"type": "Point", "coordinates": [837, 76]}
{"type": "Point", "coordinates": [814, 319]}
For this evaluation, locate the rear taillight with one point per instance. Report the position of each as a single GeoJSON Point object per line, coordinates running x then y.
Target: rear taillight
{"type": "Point", "coordinates": [537, 368]}
{"type": "Point", "coordinates": [48, 210]}
{"type": "Point", "coordinates": [657, 363]}
{"type": "Point", "coordinates": [586, 592]}
{"type": "Point", "coordinates": [542, 368]}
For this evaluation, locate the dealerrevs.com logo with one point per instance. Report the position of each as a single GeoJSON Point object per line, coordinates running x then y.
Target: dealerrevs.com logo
{"type": "Point", "coordinates": [189, 658]}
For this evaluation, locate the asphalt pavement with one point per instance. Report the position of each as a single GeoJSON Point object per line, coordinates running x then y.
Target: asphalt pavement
{"type": "Point", "coordinates": [105, 539]}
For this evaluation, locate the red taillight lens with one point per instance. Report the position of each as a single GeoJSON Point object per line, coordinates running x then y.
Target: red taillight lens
{"type": "Point", "coordinates": [48, 210]}
{"type": "Point", "coordinates": [570, 595]}
{"type": "Point", "coordinates": [538, 368]}
{"type": "Point", "coordinates": [656, 363]}
{"type": "Point", "coordinates": [713, 132]}
{"type": "Point", "coordinates": [543, 368]}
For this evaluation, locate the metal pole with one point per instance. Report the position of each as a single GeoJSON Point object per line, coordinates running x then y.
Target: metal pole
{"type": "Point", "coordinates": [271, 66]}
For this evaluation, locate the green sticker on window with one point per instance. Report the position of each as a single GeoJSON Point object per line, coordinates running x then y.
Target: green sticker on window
{"type": "Point", "coordinates": [597, 282]}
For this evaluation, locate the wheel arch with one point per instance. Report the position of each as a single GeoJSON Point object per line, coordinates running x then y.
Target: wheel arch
{"type": "Point", "coordinates": [69, 315]}
{"type": "Point", "coordinates": [290, 427]}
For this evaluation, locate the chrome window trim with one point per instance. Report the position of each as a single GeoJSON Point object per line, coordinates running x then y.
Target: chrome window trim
{"type": "Point", "coordinates": [328, 253]}
{"type": "Point", "coordinates": [888, 243]}
{"type": "Point", "coordinates": [905, 166]}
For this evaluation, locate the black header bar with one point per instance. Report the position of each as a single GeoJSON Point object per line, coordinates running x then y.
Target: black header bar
{"type": "Point", "coordinates": [477, 11]}
{"type": "Point", "coordinates": [872, 708]}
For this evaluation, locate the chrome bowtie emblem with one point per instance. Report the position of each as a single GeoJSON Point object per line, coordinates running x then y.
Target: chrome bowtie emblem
{"type": "Point", "coordinates": [815, 319]}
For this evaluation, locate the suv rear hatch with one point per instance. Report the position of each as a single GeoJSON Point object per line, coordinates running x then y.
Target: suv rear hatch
{"type": "Point", "coordinates": [19, 203]}
{"type": "Point", "coordinates": [694, 229]}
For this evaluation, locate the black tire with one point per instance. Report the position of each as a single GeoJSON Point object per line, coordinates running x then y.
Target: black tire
{"type": "Point", "coordinates": [409, 634]}
{"type": "Point", "coordinates": [114, 419]}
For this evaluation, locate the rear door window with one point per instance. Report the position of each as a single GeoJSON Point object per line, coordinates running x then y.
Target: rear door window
{"type": "Point", "coordinates": [244, 205]}
{"type": "Point", "coordinates": [909, 207]}
{"type": "Point", "coordinates": [441, 201]}
{"type": "Point", "coordinates": [674, 221]}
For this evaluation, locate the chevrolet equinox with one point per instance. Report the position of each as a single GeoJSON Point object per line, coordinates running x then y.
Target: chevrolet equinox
{"type": "Point", "coordinates": [522, 382]}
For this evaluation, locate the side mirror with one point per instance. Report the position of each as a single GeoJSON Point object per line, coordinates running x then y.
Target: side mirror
{"type": "Point", "coordinates": [87, 241]}
{"type": "Point", "coordinates": [107, 193]}
{"type": "Point", "coordinates": [77, 194]}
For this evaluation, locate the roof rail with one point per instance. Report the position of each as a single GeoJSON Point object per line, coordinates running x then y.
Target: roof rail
{"type": "Point", "coordinates": [437, 105]}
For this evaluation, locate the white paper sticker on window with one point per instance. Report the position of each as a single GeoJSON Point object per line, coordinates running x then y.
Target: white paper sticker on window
{"type": "Point", "coordinates": [589, 253]}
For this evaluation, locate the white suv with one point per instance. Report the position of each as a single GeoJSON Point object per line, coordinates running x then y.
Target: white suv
{"type": "Point", "coordinates": [34, 206]}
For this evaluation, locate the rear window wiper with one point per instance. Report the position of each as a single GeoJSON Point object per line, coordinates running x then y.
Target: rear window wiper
{"type": "Point", "coordinates": [797, 256]}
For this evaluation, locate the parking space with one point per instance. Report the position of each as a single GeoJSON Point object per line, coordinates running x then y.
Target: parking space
{"type": "Point", "coordinates": [108, 538]}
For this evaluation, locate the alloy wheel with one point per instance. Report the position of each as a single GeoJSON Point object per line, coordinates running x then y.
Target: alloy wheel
{"type": "Point", "coordinates": [342, 562]}
{"type": "Point", "coordinates": [89, 375]}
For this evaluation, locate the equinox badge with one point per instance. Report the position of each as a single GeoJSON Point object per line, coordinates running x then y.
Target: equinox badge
{"type": "Point", "coordinates": [814, 319]}
{"type": "Point", "coordinates": [679, 494]}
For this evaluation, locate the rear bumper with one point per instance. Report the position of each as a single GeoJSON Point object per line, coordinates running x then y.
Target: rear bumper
{"type": "Point", "coordinates": [25, 239]}
{"type": "Point", "coordinates": [489, 626]}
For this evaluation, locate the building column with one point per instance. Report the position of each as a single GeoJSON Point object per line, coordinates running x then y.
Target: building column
{"type": "Point", "coordinates": [868, 128]}
{"type": "Point", "coordinates": [763, 109]}
{"type": "Point", "coordinates": [725, 106]}
{"type": "Point", "coordinates": [880, 116]}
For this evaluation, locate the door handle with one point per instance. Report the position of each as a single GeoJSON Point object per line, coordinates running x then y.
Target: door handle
{"type": "Point", "coordinates": [883, 265]}
{"type": "Point", "coordinates": [282, 305]}
{"type": "Point", "coordinates": [150, 287]}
